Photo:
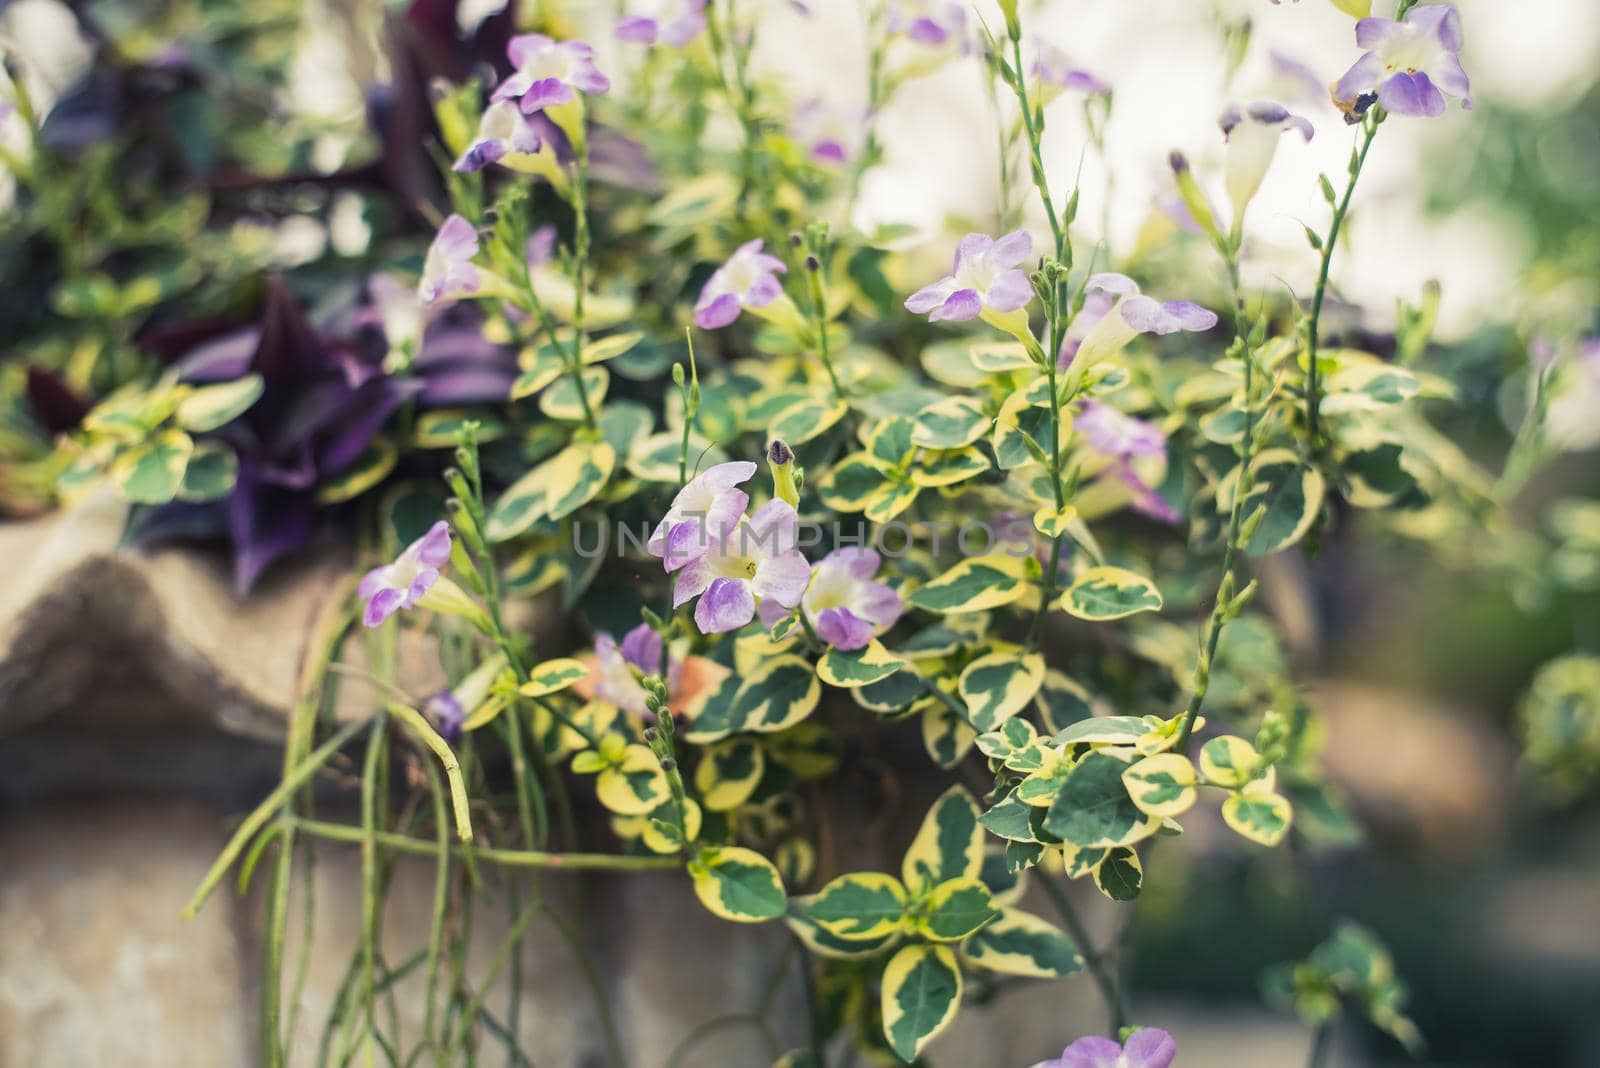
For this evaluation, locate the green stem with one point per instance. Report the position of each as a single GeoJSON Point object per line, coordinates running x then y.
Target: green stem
{"type": "Point", "coordinates": [1329, 243]}
{"type": "Point", "coordinates": [1220, 606]}
{"type": "Point", "coordinates": [275, 800]}
{"type": "Point", "coordinates": [370, 906]}
{"type": "Point", "coordinates": [1102, 975]}
{"type": "Point", "coordinates": [1321, 1044]}
{"type": "Point", "coordinates": [509, 858]}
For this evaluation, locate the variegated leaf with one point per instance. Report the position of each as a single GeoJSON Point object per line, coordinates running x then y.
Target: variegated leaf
{"type": "Point", "coordinates": [1000, 684]}
{"type": "Point", "coordinates": [948, 844]}
{"type": "Point", "coordinates": [1020, 943]}
{"type": "Point", "coordinates": [921, 993]}
{"type": "Point", "coordinates": [973, 585]}
{"type": "Point", "coordinates": [1110, 593]}
{"type": "Point", "coordinates": [738, 884]}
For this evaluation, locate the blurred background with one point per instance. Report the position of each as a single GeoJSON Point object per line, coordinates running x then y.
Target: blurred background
{"type": "Point", "coordinates": [118, 756]}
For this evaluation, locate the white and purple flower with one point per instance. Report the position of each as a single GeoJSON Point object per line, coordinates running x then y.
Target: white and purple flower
{"type": "Point", "coordinates": [1125, 441]}
{"type": "Point", "coordinates": [389, 588]}
{"type": "Point", "coordinates": [843, 602]}
{"type": "Point", "coordinates": [1057, 73]}
{"type": "Point", "coordinates": [549, 72]}
{"type": "Point", "coordinates": [1252, 134]}
{"type": "Point", "coordinates": [830, 137]}
{"type": "Point", "coordinates": [448, 272]}
{"type": "Point", "coordinates": [1123, 314]}
{"type": "Point", "coordinates": [504, 136]}
{"type": "Point", "coordinates": [672, 22]}
{"type": "Point", "coordinates": [1411, 64]}
{"type": "Point", "coordinates": [1148, 1047]}
{"type": "Point", "coordinates": [446, 714]}
{"type": "Point", "coordinates": [932, 23]}
{"type": "Point", "coordinates": [746, 560]}
{"type": "Point", "coordinates": [748, 280]}
{"type": "Point", "coordinates": [711, 501]}
{"type": "Point", "coordinates": [612, 673]}
{"type": "Point", "coordinates": [985, 281]}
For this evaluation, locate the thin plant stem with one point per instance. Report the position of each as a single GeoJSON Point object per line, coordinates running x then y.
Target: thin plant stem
{"type": "Point", "coordinates": [508, 858]}
{"type": "Point", "coordinates": [1103, 977]}
{"type": "Point", "coordinates": [263, 812]}
{"type": "Point", "coordinates": [1329, 243]}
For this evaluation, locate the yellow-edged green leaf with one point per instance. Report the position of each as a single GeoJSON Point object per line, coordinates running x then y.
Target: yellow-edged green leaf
{"type": "Point", "coordinates": [610, 347]}
{"type": "Point", "coordinates": [921, 993]}
{"type": "Point", "coordinates": [1020, 943]}
{"type": "Point", "coordinates": [802, 421]}
{"type": "Point", "coordinates": [946, 734]}
{"type": "Point", "coordinates": [553, 676]}
{"type": "Point", "coordinates": [955, 910]}
{"type": "Point", "coordinates": [366, 471]}
{"type": "Point", "coordinates": [151, 472]}
{"type": "Point", "coordinates": [947, 467]}
{"type": "Point", "coordinates": [850, 483]}
{"type": "Point", "coordinates": [890, 499]}
{"type": "Point", "coordinates": [1229, 761]}
{"type": "Point", "coordinates": [859, 906]}
{"type": "Point", "coordinates": [738, 884]}
{"type": "Point", "coordinates": [889, 443]}
{"type": "Point", "coordinates": [1092, 810]}
{"type": "Point", "coordinates": [210, 474]}
{"type": "Point", "coordinates": [997, 357]}
{"type": "Point", "coordinates": [729, 773]}
{"type": "Point", "coordinates": [1000, 684]}
{"type": "Point", "coordinates": [562, 400]}
{"type": "Point", "coordinates": [1259, 814]}
{"type": "Point", "coordinates": [1062, 701]}
{"type": "Point", "coordinates": [634, 787]}
{"type": "Point", "coordinates": [858, 667]}
{"type": "Point", "coordinates": [541, 367]}
{"type": "Point", "coordinates": [777, 695]}
{"type": "Point", "coordinates": [1291, 493]}
{"type": "Point", "coordinates": [209, 407]}
{"type": "Point", "coordinates": [701, 200]}
{"type": "Point", "coordinates": [1120, 875]}
{"type": "Point", "coordinates": [950, 424]}
{"type": "Point", "coordinates": [1021, 432]}
{"type": "Point", "coordinates": [440, 429]}
{"type": "Point", "coordinates": [826, 944]}
{"type": "Point", "coordinates": [948, 845]}
{"type": "Point", "coordinates": [973, 585]}
{"type": "Point", "coordinates": [1162, 785]}
{"type": "Point", "coordinates": [655, 458]}
{"type": "Point", "coordinates": [1110, 593]}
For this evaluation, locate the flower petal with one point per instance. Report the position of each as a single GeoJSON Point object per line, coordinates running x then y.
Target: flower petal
{"type": "Point", "coordinates": [727, 605]}
{"type": "Point", "coordinates": [843, 629]}
{"type": "Point", "coordinates": [960, 306]}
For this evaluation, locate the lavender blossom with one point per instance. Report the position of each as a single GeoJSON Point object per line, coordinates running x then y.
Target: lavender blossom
{"type": "Point", "coordinates": [504, 136]}
{"type": "Point", "coordinates": [1411, 64]}
{"type": "Point", "coordinates": [389, 588]}
{"type": "Point", "coordinates": [748, 280]}
{"type": "Point", "coordinates": [672, 22]}
{"type": "Point", "coordinates": [745, 560]}
{"type": "Point", "coordinates": [985, 281]}
{"type": "Point", "coordinates": [1148, 1047]}
{"type": "Point", "coordinates": [549, 72]}
{"type": "Point", "coordinates": [1252, 136]}
{"type": "Point", "coordinates": [448, 272]}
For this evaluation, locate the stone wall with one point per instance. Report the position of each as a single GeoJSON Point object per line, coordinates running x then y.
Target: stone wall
{"type": "Point", "coordinates": [141, 707]}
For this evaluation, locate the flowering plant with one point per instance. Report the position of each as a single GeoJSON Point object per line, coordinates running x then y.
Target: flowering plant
{"type": "Point", "coordinates": [1007, 492]}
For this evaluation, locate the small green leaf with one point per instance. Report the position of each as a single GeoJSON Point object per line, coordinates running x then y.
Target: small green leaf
{"type": "Point", "coordinates": [1000, 684]}
{"type": "Point", "coordinates": [955, 910]}
{"type": "Point", "coordinates": [1120, 875]}
{"type": "Point", "coordinates": [858, 667]}
{"type": "Point", "coordinates": [1110, 593]}
{"type": "Point", "coordinates": [209, 407]}
{"type": "Point", "coordinates": [738, 884]}
{"type": "Point", "coordinates": [948, 844]}
{"type": "Point", "coordinates": [921, 993]}
{"type": "Point", "coordinates": [859, 906]}
{"type": "Point", "coordinates": [1020, 943]}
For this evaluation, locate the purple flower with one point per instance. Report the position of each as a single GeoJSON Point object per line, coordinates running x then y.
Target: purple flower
{"type": "Point", "coordinates": [672, 22]}
{"type": "Point", "coordinates": [1148, 1047]}
{"type": "Point", "coordinates": [745, 559]}
{"type": "Point", "coordinates": [843, 602]}
{"type": "Point", "coordinates": [931, 23]}
{"type": "Point", "coordinates": [1122, 439]}
{"type": "Point", "coordinates": [448, 272]}
{"type": "Point", "coordinates": [748, 280]}
{"type": "Point", "coordinates": [1056, 73]}
{"type": "Point", "coordinates": [548, 72]}
{"type": "Point", "coordinates": [829, 136]}
{"type": "Point", "coordinates": [1412, 64]}
{"type": "Point", "coordinates": [710, 501]}
{"type": "Point", "coordinates": [984, 281]}
{"type": "Point", "coordinates": [504, 135]}
{"type": "Point", "coordinates": [1294, 81]}
{"type": "Point", "coordinates": [613, 676]}
{"type": "Point", "coordinates": [1130, 315]}
{"type": "Point", "coordinates": [1252, 136]}
{"type": "Point", "coordinates": [445, 713]}
{"type": "Point", "coordinates": [391, 587]}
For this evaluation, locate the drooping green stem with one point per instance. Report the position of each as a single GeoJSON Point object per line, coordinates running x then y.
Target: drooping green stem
{"type": "Point", "coordinates": [371, 771]}
{"type": "Point", "coordinates": [509, 858]}
{"type": "Point", "coordinates": [1358, 160]}
{"type": "Point", "coordinates": [1103, 977]}
{"type": "Point", "coordinates": [252, 823]}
